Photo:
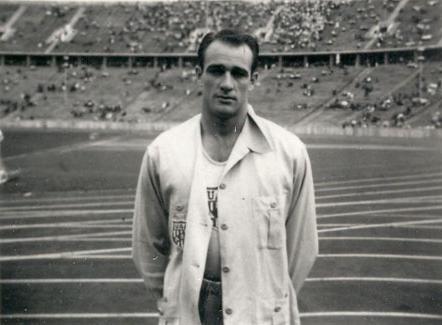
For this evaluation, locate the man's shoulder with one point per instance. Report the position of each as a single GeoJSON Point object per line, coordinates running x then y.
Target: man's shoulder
{"type": "Point", "coordinates": [182, 133]}
{"type": "Point", "coordinates": [279, 136]}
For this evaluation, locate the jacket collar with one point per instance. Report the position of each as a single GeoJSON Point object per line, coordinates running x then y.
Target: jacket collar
{"type": "Point", "coordinates": [254, 136]}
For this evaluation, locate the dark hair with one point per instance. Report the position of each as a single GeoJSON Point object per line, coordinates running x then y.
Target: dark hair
{"type": "Point", "coordinates": [231, 37]}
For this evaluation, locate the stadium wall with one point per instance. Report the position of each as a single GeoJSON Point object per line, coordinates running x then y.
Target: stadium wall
{"type": "Point", "coordinates": [369, 57]}
{"type": "Point", "coordinates": [155, 127]}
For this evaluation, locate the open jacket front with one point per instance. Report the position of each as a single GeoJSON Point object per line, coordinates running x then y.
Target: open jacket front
{"type": "Point", "coordinates": [266, 213]}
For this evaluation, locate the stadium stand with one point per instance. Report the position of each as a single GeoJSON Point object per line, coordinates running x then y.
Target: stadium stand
{"type": "Point", "coordinates": [172, 26]}
{"type": "Point", "coordinates": [46, 72]}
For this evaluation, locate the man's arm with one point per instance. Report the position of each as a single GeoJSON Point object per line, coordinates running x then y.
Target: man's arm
{"type": "Point", "coordinates": [150, 239]}
{"type": "Point", "coordinates": [302, 237]}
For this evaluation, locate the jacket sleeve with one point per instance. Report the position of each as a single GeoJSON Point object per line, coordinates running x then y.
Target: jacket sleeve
{"type": "Point", "coordinates": [302, 236]}
{"type": "Point", "coordinates": [150, 239]}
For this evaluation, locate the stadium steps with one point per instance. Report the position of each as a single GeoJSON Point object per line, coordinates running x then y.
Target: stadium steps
{"type": "Point", "coordinates": [68, 32]}
{"type": "Point", "coordinates": [422, 115]}
{"type": "Point", "coordinates": [8, 31]}
{"type": "Point", "coordinates": [316, 113]}
{"type": "Point", "coordinates": [389, 21]}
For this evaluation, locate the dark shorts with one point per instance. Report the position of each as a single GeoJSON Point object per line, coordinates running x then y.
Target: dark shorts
{"type": "Point", "coordinates": [210, 303]}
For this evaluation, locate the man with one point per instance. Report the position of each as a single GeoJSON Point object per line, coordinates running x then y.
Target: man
{"type": "Point", "coordinates": [224, 223]}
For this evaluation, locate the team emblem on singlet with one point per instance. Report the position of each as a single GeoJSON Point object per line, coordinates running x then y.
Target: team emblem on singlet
{"type": "Point", "coordinates": [178, 233]}
{"type": "Point", "coordinates": [212, 197]}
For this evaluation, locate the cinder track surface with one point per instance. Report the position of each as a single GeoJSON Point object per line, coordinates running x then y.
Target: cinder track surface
{"type": "Point", "coordinates": [65, 228]}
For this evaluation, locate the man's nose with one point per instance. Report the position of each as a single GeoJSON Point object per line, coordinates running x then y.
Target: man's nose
{"type": "Point", "coordinates": [227, 82]}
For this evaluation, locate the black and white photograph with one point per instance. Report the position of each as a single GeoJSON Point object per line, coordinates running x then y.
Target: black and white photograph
{"type": "Point", "coordinates": [221, 162]}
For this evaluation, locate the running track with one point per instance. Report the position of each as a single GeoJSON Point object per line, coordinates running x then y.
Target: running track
{"type": "Point", "coordinates": [65, 230]}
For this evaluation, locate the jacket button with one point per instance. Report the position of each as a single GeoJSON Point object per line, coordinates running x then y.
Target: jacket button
{"type": "Point", "coordinates": [277, 309]}
{"type": "Point", "coordinates": [222, 186]}
{"type": "Point", "coordinates": [273, 205]}
{"type": "Point", "coordinates": [226, 269]}
{"type": "Point", "coordinates": [229, 311]}
{"type": "Point", "coordinates": [224, 226]}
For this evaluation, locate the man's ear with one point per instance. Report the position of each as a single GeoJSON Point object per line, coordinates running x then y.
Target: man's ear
{"type": "Point", "coordinates": [198, 71]}
{"type": "Point", "coordinates": [253, 80]}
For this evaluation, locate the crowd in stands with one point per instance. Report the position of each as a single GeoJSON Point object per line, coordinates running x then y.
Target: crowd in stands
{"type": "Point", "coordinates": [177, 26]}
{"type": "Point", "coordinates": [394, 110]}
{"type": "Point", "coordinates": [403, 105]}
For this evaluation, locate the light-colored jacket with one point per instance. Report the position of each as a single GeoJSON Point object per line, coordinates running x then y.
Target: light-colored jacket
{"type": "Point", "coordinates": [266, 213]}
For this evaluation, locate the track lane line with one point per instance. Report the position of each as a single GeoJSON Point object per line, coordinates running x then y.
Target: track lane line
{"type": "Point", "coordinates": [62, 213]}
{"type": "Point", "coordinates": [390, 256]}
{"type": "Point", "coordinates": [370, 314]}
{"type": "Point", "coordinates": [72, 237]}
{"type": "Point", "coordinates": [22, 201]}
{"type": "Point", "coordinates": [410, 200]}
{"type": "Point", "coordinates": [65, 206]}
{"type": "Point", "coordinates": [374, 238]}
{"type": "Point", "coordinates": [77, 315]}
{"type": "Point", "coordinates": [64, 255]}
{"type": "Point", "coordinates": [408, 190]}
{"type": "Point", "coordinates": [156, 315]}
{"type": "Point", "coordinates": [375, 179]}
{"type": "Point", "coordinates": [375, 279]}
{"type": "Point", "coordinates": [387, 184]}
{"type": "Point", "coordinates": [371, 212]}
{"type": "Point", "coordinates": [75, 224]}
{"type": "Point", "coordinates": [382, 225]}
{"type": "Point", "coordinates": [139, 280]}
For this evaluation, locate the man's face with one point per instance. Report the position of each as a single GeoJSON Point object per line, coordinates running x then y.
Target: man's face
{"type": "Point", "coordinates": [226, 79]}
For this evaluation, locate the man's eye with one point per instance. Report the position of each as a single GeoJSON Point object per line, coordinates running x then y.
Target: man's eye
{"type": "Point", "coordinates": [216, 71]}
{"type": "Point", "coordinates": [239, 73]}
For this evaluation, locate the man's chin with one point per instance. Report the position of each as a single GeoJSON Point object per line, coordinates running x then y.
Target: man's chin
{"type": "Point", "coordinates": [225, 110]}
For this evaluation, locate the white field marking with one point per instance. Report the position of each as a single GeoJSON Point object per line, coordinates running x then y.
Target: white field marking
{"type": "Point", "coordinates": [63, 254]}
{"type": "Point", "coordinates": [370, 212]}
{"type": "Point", "coordinates": [373, 279]}
{"type": "Point", "coordinates": [325, 225]}
{"type": "Point", "coordinates": [376, 179]}
{"type": "Point", "coordinates": [78, 315]}
{"type": "Point", "coordinates": [407, 190]}
{"type": "Point", "coordinates": [139, 280]}
{"type": "Point", "coordinates": [370, 147]}
{"type": "Point", "coordinates": [118, 147]}
{"type": "Point", "coordinates": [65, 206]}
{"type": "Point", "coordinates": [71, 195]}
{"type": "Point", "coordinates": [101, 257]}
{"type": "Point", "coordinates": [60, 214]}
{"type": "Point", "coordinates": [92, 240]}
{"type": "Point", "coordinates": [63, 237]}
{"type": "Point", "coordinates": [389, 256]}
{"type": "Point", "coordinates": [26, 201]}
{"type": "Point", "coordinates": [105, 223]}
{"type": "Point", "coordinates": [381, 225]}
{"type": "Point", "coordinates": [360, 186]}
{"type": "Point", "coordinates": [409, 199]}
{"type": "Point", "coordinates": [369, 314]}
{"type": "Point", "coordinates": [125, 240]}
{"type": "Point", "coordinates": [60, 149]}
{"type": "Point", "coordinates": [156, 315]}
{"type": "Point", "coordinates": [78, 225]}
{"type": "Point", "coordinates": [421, 227]}
{"type": "Point", "coordinates": [54, 281]}
{"type": "Point", "coordinates": [400, 239]}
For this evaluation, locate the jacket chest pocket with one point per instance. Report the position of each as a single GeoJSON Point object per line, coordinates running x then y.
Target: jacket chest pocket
{"type": "Point", "coordinates": [267, 212]}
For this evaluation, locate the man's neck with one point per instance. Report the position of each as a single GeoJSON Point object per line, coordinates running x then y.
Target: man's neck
{"type": "Point", "coordinates": [219, 135]}
{"type": "Point", "coordinates": [222, 128]}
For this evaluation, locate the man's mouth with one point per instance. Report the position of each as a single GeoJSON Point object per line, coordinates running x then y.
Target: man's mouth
{"type": "Point", "coordinates": [225, 99]}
